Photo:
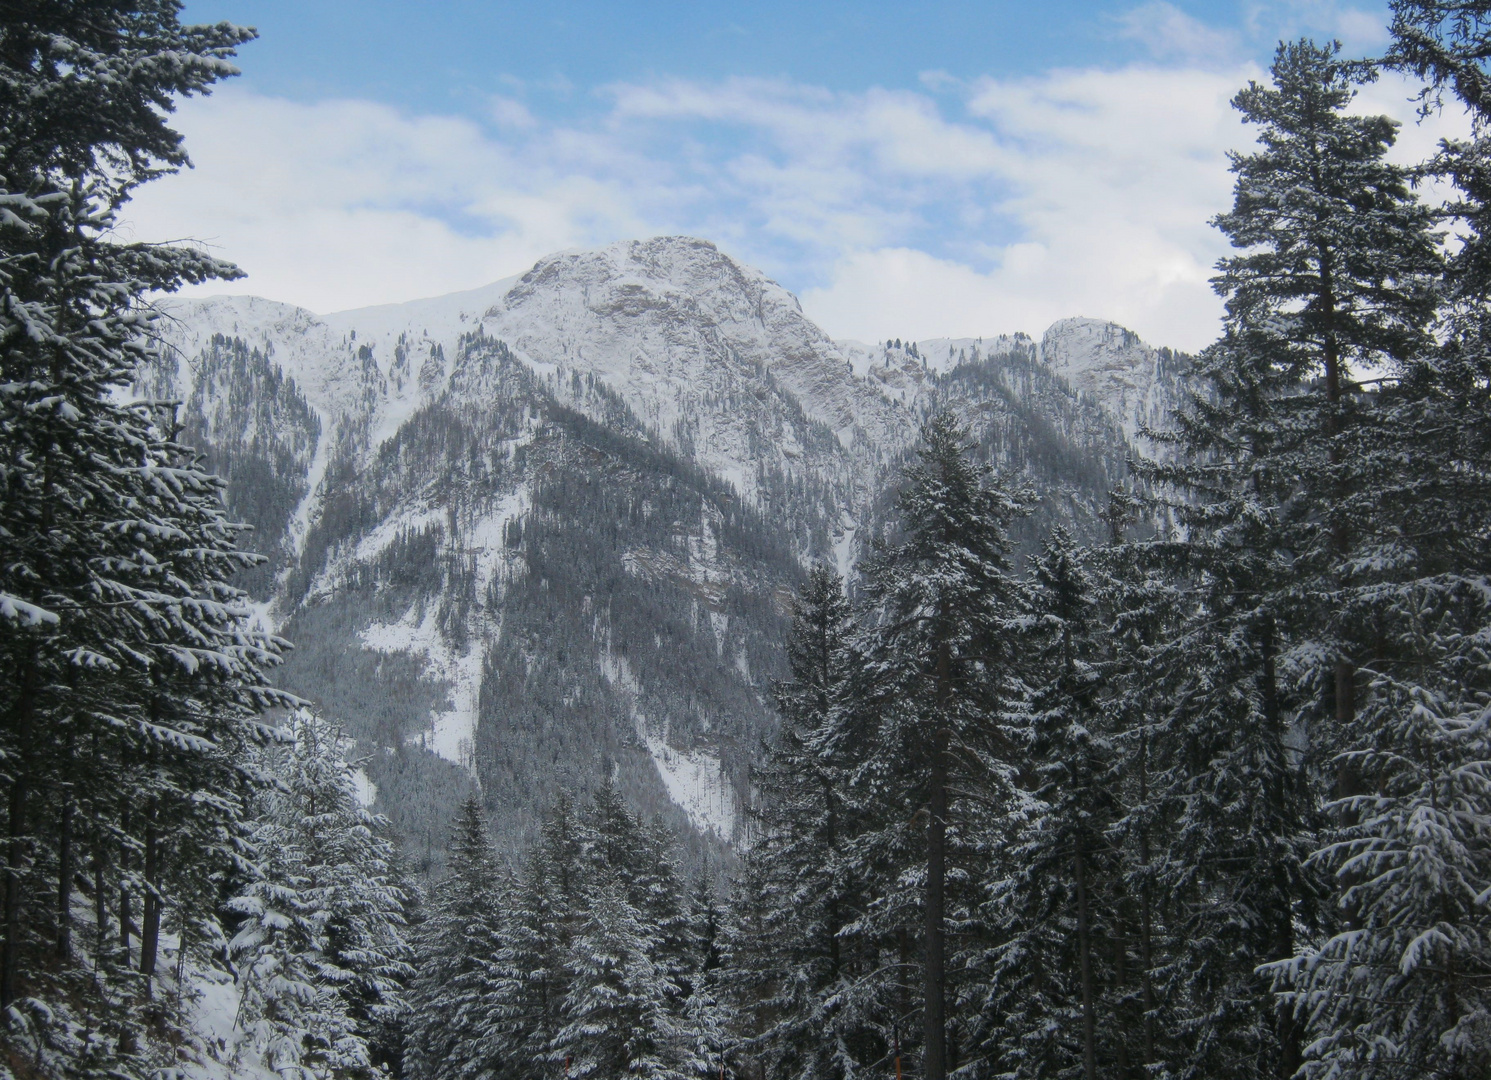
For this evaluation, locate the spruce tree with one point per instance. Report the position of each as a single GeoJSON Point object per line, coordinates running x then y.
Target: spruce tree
{"type": "Point", "coordinates": [135, 677]}
{"type": "Point", "coordinates": [321, 948]}
{"type": "Point", "coordinates": [454, 999]}
{"type": "Point", "coordinates": [707, 1019]}
{"type": "Point", "coordinates": [542, 919]}
{"type": "Point", "coordinates": [618, 1020]}
{"type": "Point", "coordinates": [1398, 990]}
{"type": "Point", "coordinates": [806, 820]}
{"type": "Point", "coordinates": [939, 662]}
{"type": "Point", "coordinates": [1054, 911]}
{"type": "Point", "coordinates": [1404, 988]}
{"type": "Point", "coordinates": [1335, 276]}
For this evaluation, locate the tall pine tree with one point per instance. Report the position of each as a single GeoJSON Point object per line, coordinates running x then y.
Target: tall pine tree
{"type": "Point", "coordinates": [1335, 278]}
{"type": "Point", "coordinates": [454, 998]}
{"type": "Point", "coordinates": [939, 661]}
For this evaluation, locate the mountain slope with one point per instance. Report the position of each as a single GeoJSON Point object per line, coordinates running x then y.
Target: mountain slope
{"type": "Point", "coordinates": [545, 532]}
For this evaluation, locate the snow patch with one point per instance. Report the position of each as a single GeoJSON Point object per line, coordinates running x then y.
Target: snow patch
{"type": "Point", "coordinates": [694, 779]}
{"type": "Point", "coordinates": [452, 730]}
{"type": "Point", "coordinates": [363, 787]}
{"type": "Point", "coordinates": [844, 548]}
{"type": "Point", "coordinates": [304, 516]}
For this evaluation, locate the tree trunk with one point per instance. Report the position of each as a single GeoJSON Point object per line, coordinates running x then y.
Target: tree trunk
{"type": "Point", "coordinates": [1146, 956]}
{"type": "Point", "coordinates": [1084, 951]}
{"type": "Point", "coordinates": [23, 712]}
{"type": "Point", "coordinates": [124, 916]}
{"type": "Point", "coordinates": [150, 918]}
{"type": "Point", "coordinates": [1120, 984]}
{"type": "Point", "coordinates": [934, 1021]}
{"type": "Point", "coordinates": [1146, 913]}
{"type": "Point", "coordinates": [64, 877]}
{"type": "Point", "coordinates": [1282, 946]}
{"type": "Point", "coordinates": [10, 965]}
{"type": "Point", "coordinates": [932, 1010]}
{"type": "Point", "coordinates": [831, 840]}
{"type": "Point", "coordinates": [903, 993]}
{"type": "Point", "coordinates": [1291, 1042]}
{"type": "Point", "coordinates": [100, 891]}
{"type": "Point", "coordinates": [1347, 782]}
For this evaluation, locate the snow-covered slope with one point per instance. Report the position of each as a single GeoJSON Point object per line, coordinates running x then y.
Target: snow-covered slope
{"type": "Point", "coordinates": [547, 529]}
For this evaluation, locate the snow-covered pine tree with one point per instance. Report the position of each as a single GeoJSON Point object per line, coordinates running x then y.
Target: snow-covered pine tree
{"type": "Point", "coordinates": [542, 919]}
{"type": "Point", "coordinates": [1433, 510]}
{"type": "Point", "coordinates": [1335, 274]}
{"type": "Point", "coordinates": [708, 1021]}
{"type": "Point", "coordinates": [134, 677]}
{"type": "Point", "coordinates": [321, 952]}
{"type": "Point", "coordinates": [1054, 909]}
{"type": "Point", "coordinates": [1443, 42]}
{"type": "Point", "coordinates": [619, 1019]}
{"type": "Point", "coordinates": [939, 661]}
{"type": "Point", "coordinates": [620, 846]}
{"type": "Point", "coordinates": [1140, 606]}
{"type": "Point", "coordinates": [801, 963]}
{"type": "Point", "coordinates": [1404, 988]}
{"type": "Point", "coordinates": [455, 999]}
{"type": "Point", "coordinates": [600, 952]}
{"type": "Point", "coordinates": [1400, 989]}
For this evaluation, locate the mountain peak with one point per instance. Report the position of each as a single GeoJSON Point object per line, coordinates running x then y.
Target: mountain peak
{"type": "Point", "coordinates": [1135, 381]}
{"type": "Point", "coordinates": [660, 266]}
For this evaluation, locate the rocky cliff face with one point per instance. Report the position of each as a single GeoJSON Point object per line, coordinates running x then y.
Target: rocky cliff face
{"type": "Point", "coordinates": [545, 532]}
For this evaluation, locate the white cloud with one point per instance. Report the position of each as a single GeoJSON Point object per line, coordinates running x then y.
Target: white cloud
{"type": "Point", "coordinates": [346, 203]}
{"type": "Point", "coordinates": [1001, 205]}
{"type": "Point", "coordinates": [1111, 177]}
{"type": "Point", "coordinates": [510, 113]}
{"type": "Point", "coordinates": [1169, 33]}
{"type": "Point", "coordinates": [1360, 30]}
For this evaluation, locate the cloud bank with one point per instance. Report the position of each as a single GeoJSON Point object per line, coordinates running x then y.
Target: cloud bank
{"type": "Point", "coordinates": [966, 208]}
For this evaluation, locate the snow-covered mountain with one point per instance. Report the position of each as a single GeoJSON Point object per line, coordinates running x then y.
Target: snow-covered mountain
{"type": "Point", "coordinates": [546, 531]}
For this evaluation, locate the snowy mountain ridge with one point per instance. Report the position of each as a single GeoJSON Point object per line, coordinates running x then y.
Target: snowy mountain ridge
{"type": "Point", "coordinates": [673, 325]}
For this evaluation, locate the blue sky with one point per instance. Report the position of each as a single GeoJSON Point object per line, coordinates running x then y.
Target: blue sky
{"type": "Point", "coordinates": [910, 170]}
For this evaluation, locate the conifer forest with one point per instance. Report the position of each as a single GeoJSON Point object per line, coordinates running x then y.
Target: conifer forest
{"type": "Point", "coordinates": [1191, 784]}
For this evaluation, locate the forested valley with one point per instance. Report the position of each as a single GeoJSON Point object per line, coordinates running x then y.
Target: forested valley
{"type": "Point", "coordinates": [1208, 798]}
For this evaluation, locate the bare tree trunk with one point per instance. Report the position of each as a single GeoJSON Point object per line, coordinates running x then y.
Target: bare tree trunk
{"type": "Point", "coordinates": [903, 994]}
{"type": "Point", "coordinates": [14, 858]}
{"type": "Point", "coordinates": [1347, 781]}
{"type": "Point", "coordinates": [100, 891]}
{"type": "Point", "coordinates": [934, 1021]}
{"type": "Point", "coordinates": [64, 877]}
{"type": "Point", "coordinates": [1120, 983]}
{"type": "Point", "coordinates": [831, 837]}
{"type": "Point", "coordinates": [1146, 913]}
{"type": "Point", "coordinates": [1291, 1048]}
{"type": "Point", "coordinates": [150, 919]}
{"type": "Point", "coordinates": [1084, 950]}
{"type": "Point", "coordinates": [23, 712]}
{"type": "Point", "coordinates": [1146, 956]}
{"type": "Point", "coordinates": [124, 915]}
